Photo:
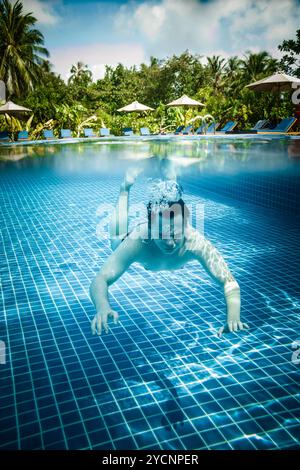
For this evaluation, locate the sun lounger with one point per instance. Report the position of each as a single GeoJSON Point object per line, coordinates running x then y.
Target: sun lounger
{"type": "Point", "coordinates": [48, 134]}
{"type": "Point", "coordinates": [104, 132]}
{"type": "Point", "coordinates": [262, 123]}
{"type": "Point", "coordinates": [201, 129]}
{"type": "Point", "coordinates": [89, 133]}
{"type": "Point", "coordinates": [4, 136]}
{"type": "Point", "coordinates": [65, 134]}
{"type": "Point", "coordinates": [128, 132]}
{"type": "Point", "coordinates": [187, 130]}
{"type": "Point", "coordinates": [283, 127]}
{"type": "Point", "coordinates": [179, 130]}
{"type": "Point", "coordinates": [23, 135]}
{"type": "Point", "coordinates": [229, 126]}
{"type": "Point", "coordinates": [212, 127]}
{"type": "Point", "coordinates": [144, 131]}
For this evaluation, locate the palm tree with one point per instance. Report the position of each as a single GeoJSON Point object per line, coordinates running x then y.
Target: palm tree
{"type": "Point", "coordinates": [21, 49]}
{"type": "Point", "coordinates": [80, 72]}
{"type": "Point", "coordinates": [215, 64]}
{"type": "Point", "coordinates": [215, 68]}
{"type": "Point", "coordinates": [233, 71]}
{"type": "Point", "coordinates": [258, 65]}
{"type": "Point", "coordinates": [233, 66]}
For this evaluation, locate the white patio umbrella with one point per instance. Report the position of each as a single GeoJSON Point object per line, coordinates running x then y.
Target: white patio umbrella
{"type": "Point", "coordinates": [13, 109]}
{"type": "Point", "coordinates": [185, 101]}
{"type": "Point", "coordinates": [276, 83]}
{"type": "Point", "coordinates": [135, 106]}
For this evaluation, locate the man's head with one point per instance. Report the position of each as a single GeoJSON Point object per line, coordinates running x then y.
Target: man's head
{"type": "Point", "coordinates": [167, 223]}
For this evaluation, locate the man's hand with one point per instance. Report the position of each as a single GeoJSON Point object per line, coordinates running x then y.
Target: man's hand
{"type": "Point", "coordinates": [99, 321]}
{"type": "Point", "coordinates": [130, 177]}
{"type": "Point", "coordinates": [233, 302]}
{"type": "Point", "coordinates": [231, 326]}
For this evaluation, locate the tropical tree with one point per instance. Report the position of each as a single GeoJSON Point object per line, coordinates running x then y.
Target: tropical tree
{"type": "Point", "coordinates": [74, 117]}
{"type": "Point", "coordinates": [186, 74]}
{"type": "Point", "coordinates": [80, 85]}
{"type": "Point", "coordinates": [80, 73]}
{"type": "Point", "coordinates": [258, 65]}
{"type": "Point", "coordinates": [47, 94]}
{"type": "Point", "coordinates": [15, 124]}
{"type": "Point", "coordinates": [22, 50]}
{"type": "Point", "coordinates": [290, 62]}
{"type": "Point", "coordinates": [233, 70]}
{"type": "Point", "coordinates": [215, 69]}
{"type": "Point", "coordinates": [119, 86]}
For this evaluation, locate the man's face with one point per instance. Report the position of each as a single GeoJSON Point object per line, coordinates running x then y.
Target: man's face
{"type": "Point", "coordinates": [168, 235]}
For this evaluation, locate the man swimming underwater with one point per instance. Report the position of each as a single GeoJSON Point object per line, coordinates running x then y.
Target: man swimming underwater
{"type": "Point", "coordinates": [166, 242]}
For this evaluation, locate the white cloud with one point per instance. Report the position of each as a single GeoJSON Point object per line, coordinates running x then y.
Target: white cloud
{"type": "Point", "coordinates": [232, 26]}
{"type": "Point", "coordinates": [43, 11]}
{"type": "Point", "coordinates": [151, 20]}
{"type": "Point", "coordinates": [98, 71]}
{"type": "Point", "coordinates": [96, 56]}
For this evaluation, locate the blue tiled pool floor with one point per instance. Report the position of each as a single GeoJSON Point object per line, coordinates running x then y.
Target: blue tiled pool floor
{"type": "Point", "coordinates": [161, 379]}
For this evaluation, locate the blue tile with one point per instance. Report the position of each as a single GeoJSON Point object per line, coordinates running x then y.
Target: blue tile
{"type": "Point", "coordinates": [163, 366]}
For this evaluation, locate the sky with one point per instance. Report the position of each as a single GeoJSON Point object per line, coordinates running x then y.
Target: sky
{"type": "Point", "coordinates": [101, 33]}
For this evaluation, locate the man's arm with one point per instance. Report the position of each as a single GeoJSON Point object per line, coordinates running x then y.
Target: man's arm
{"type": "Point", "coordinates": [116, 264]}
{"type": "Point", "coordinates": [210, 258]}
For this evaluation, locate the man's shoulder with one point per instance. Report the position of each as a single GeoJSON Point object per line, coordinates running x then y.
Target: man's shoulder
{"type": "Point", "coordinates": [140, 232]}
{"type": "Point", "coordinates": [134, 243]}
{"type": "Point", "coordinates": [194, 240]}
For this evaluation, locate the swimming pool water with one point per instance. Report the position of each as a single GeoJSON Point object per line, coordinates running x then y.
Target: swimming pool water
{"type": "Point", "coordinates": [161, 379]}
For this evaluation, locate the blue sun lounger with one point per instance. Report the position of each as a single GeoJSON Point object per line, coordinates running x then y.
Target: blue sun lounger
{"type": "Point", "coordinates": [65, 134]}
{"type": "Point", "coordinates": [4, 136]}
{"type": "Point", "coordinates": [145, 131]}
{"type": "Point", "coordinates": [200, 129]}
{"type": "Point", "coordinates": [229, 126]}
{"type": "Point", "coordinates": [283, 127]}
{"type": "Point", "coordinates": [104, 132]}
{"type": "Point", "coordinates": [212, 127]}
{"type": "Point", "coordinates": [48, 134]}
{"type": "Point", "coordinates": [23, 135]}
{"type": "Point", "coordinates": [262, 123]}
{"type": "Point", "coordinates": [187, 130]}
{"type": "Point", "coordinates": [178, 130]}
{"type": "Point", "coordinates": [89, 133]}
{"type": "Point", "coordinates": [128, 132]}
